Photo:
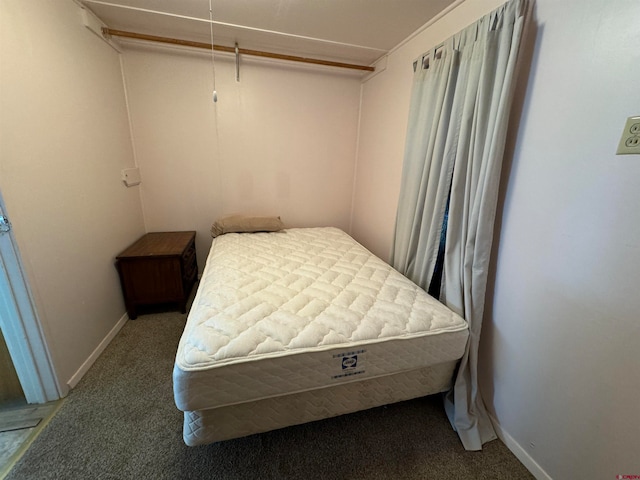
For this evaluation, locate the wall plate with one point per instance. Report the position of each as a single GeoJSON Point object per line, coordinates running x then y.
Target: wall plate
{"type": "Point", "coordinates": [630, 139]}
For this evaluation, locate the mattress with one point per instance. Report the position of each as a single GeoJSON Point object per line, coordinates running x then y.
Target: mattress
{"type": "Point", "coordinates": [302, 310]}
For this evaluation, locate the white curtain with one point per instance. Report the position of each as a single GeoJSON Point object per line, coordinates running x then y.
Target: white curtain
{"type": "Point", "coordinates": [461, 98]}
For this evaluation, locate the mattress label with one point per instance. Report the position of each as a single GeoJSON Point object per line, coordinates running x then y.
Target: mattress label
{"type": "Point", "coordinates": [348, 364]}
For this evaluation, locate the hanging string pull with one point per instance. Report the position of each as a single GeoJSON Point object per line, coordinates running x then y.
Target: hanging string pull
{"type": "Point", "coordinates": [213, 62]}
{"type": "Point", "coordinates": [237, 63]}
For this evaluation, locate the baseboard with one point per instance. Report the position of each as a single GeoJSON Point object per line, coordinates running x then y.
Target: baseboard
{"type": "Point", "coordinates": [521, 454]}
{"type": "Point", "coordinates": [84, 368]}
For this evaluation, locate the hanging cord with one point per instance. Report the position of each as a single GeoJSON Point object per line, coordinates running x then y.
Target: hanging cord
{"type": "Point", "coordinates": [215, 153]}
{"type": "Point", "coordinates": [213, 62]}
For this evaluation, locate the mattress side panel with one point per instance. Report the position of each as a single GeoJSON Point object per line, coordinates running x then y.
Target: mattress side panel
{"type": "Point", "coordinates": [249, 381]}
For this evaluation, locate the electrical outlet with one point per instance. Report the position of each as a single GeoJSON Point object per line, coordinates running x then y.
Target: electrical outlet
{"type": "Point", "coordinates": [630, 140]}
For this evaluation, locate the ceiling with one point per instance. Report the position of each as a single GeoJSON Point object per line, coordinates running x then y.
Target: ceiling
{"type": "Point", "coordinates": [351, 31]}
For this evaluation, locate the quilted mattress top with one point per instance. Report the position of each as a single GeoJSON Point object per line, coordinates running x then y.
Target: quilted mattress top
{"type": "Point", "coordinates": [300, 290]}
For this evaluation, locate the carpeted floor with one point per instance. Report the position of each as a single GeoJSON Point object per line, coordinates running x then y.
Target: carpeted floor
{"type": "Point", "coordinates": [120, 422]}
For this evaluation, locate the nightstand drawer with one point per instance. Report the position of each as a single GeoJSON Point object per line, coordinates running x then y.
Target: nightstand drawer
{"type": "Point", "coordinates": [191, 269]}
{"type": "Point", "coordinates": [189, 253]}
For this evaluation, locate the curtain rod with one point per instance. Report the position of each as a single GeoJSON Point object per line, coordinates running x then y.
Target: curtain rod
{"type": "Point", "coordinates": [243, 51]}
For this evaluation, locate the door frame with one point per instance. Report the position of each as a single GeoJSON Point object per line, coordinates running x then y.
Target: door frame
{"type": "Point", "coordinates": [21, 326]}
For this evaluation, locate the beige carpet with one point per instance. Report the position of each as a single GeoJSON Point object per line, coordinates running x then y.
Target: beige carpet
{"type": "Point", "coordinates": [120, 422]}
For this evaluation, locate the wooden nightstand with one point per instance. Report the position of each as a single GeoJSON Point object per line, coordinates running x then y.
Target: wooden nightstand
{"type": "Point", "coordinates": [160, 268]}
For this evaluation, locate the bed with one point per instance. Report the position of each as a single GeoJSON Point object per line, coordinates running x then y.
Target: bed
{"type": "Point", "coordinates": [303, 324]}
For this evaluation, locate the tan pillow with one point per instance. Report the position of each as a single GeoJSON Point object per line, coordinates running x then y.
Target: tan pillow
{"type": "Point", "coordinates": [245, 224]}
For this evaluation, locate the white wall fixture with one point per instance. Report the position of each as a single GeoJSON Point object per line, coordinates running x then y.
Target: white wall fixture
{"type": "Point", "coordinates": [630, 139]}
{"type": "Point", "coordinates": [131, 176]}
{"type": "Point", "coordinates": [92, 22]}
{"type": "Point", "coordinates": [95, 25]}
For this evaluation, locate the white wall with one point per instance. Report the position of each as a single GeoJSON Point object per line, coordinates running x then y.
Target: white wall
{"type": "Point", "coordinates": [64, 139]}
{"type": "Point", "coordinates": [559, 364]}
{"type": "Point", "coordinates": [280, 142]}
{"type": "Point", "coordinates": [565, 330]}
